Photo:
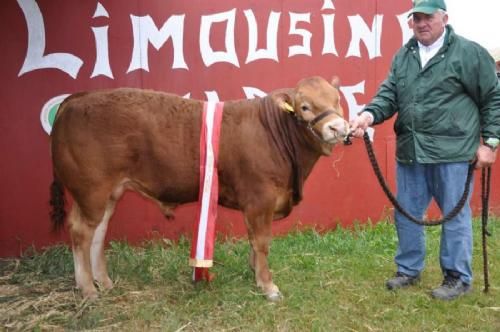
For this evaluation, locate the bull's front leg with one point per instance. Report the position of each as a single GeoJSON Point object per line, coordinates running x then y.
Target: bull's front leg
{"type": "Point", "coordinates": [260, 235]}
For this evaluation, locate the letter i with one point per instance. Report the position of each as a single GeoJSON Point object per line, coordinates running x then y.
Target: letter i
{"type": "Point", "coordinates": [328, 28]}
{"type": "Point", "coordinates": [101, 66]}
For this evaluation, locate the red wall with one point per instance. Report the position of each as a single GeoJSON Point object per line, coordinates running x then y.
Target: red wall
{"type": "Point", "coordinates": [342, 188]}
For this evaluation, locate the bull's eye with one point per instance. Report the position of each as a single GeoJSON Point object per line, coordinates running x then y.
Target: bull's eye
{"type": "Point", "coordinates": [305, 108]}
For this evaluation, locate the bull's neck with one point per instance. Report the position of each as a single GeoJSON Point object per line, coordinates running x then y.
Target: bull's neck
{"type": "Point", "coordinates": [292, 141]}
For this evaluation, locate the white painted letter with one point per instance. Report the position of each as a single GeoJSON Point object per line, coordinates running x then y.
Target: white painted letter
{"type": "Point", "coordinates": [405, 27]}
{"type": "Point", "coordinates": [145, 32]}
{"type": "Point", "coordinates": [210, 56]}
{"type": "Point", "coordinates": [101, 66]}
{"type": "Point", "coordinates": [305, 48]}
{"type": "Point", "coordinates": [100, 11]}
{"type": "Point", "coordinates": [371, 38]}
{"type": "Point", "coordinates": [352, 104]}
{"type": "Point", "coordinates": [35, 59]}
{"type": "Point", "coordinates": [329, 42]}
{"type": "Point", "coordinates": [327, 4]}
{"type": "Point", "coordinates": [271, 52]}
{"type": "Point", "coordinates": [251, 92]}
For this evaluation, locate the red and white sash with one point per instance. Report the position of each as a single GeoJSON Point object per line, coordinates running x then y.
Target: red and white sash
{"type": "Point", "coordinates": [202, 246]}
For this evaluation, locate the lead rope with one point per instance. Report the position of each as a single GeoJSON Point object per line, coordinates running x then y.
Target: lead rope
{"type": "Point", "coordinates": [453, 213]}
{"type": "Point", "coordinates": [485, 196]}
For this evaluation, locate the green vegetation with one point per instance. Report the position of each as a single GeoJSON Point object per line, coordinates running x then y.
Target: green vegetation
{"type": "Point", "coordinates": [331, 282]}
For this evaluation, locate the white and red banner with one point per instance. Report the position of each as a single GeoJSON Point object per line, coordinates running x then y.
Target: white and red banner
{"type": "Point", "coordinates": [202, 247]}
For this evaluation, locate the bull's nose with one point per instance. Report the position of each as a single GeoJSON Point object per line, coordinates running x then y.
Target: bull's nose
{"type": "Point", "coordinates": [340, 127]}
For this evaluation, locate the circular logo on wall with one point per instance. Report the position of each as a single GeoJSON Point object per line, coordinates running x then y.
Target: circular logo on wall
{"type": "Point", "coordinates": [49, 111]}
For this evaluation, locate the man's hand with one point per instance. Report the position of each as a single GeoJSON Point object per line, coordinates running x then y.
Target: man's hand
{"type": "Point", "coordinates": [485, 156]}
{"type": "Point", "coordinates": [359, 124]}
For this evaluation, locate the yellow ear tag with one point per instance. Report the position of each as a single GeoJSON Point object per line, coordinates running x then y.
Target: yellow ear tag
{"type": "Point", "coordinates": [288, 107]}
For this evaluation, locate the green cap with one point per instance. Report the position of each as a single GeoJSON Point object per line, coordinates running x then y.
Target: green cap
{"type": "Point", "coordinates": [427, 6]}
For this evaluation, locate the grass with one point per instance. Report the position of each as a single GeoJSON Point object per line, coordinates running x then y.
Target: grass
{"type": "Point", "coordinates": [331, 281]}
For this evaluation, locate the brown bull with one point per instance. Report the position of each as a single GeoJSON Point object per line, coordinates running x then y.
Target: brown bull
{"type": "Point", "coordinates": [106, 142]}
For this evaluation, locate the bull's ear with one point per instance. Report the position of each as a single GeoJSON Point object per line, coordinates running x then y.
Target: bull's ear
{"type": "Point", "coordinates": [335, 82]}
{"type": "Point", "coordinates": [284, 102]}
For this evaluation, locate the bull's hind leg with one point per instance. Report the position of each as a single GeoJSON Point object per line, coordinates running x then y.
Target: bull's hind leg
{"type": "Point", "coordinates": [260, 234]}
{"type": "Point", "coordinates": [81, 237]}
{"type": "Point", "coordinates": [97, 256]}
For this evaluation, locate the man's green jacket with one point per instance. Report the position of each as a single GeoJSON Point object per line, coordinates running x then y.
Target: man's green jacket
{"type": "Point", "coordinates": [444, 108]}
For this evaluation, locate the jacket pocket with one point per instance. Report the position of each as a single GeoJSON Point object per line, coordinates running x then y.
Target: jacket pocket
{"type": "Point", "coordinates": [447, 124]}
{"type": "Point", "coordinates": [404, 90]}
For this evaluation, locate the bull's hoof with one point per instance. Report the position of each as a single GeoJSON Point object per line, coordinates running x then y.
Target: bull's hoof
{"type": "Point", "coordinates": [274, 297]}
{"type": "Point", "coordinates": [105, 283]}
{"type": "Point", "coordinates": [90, 295]}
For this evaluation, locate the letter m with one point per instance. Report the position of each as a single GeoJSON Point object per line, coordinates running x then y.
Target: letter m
{"type": "Point", "coordinates": [146, 32]}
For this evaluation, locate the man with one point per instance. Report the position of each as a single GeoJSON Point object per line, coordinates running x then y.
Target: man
{"type": "Point", "coordinates": [447, 99]}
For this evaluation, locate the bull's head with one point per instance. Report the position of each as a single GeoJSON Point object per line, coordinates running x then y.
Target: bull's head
{"type": "Point", "coordinates": [316, 102]}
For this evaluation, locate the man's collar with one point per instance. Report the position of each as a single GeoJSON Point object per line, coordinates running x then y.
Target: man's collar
{"type": "Point", "coordinates": [448, 38]}
{"type": "Point", "coordinates": [437, 44]}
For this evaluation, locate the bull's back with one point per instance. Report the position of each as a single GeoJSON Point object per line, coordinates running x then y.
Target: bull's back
{"type": "Point", "coordinates": [150, 138]}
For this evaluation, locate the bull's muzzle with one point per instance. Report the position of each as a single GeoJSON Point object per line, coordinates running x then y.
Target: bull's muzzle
{"type": "Point", "coordinates": [335, 130]}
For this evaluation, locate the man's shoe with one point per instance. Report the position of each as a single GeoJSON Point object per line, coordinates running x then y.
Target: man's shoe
{"type": "Point", "coordinates": [451, 288]}
{"type": "Point", "coordinates": [401, 280]}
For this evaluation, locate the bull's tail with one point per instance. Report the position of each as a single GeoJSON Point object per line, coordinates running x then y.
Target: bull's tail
{"type": "Point", "coordinates": [57, 201]}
